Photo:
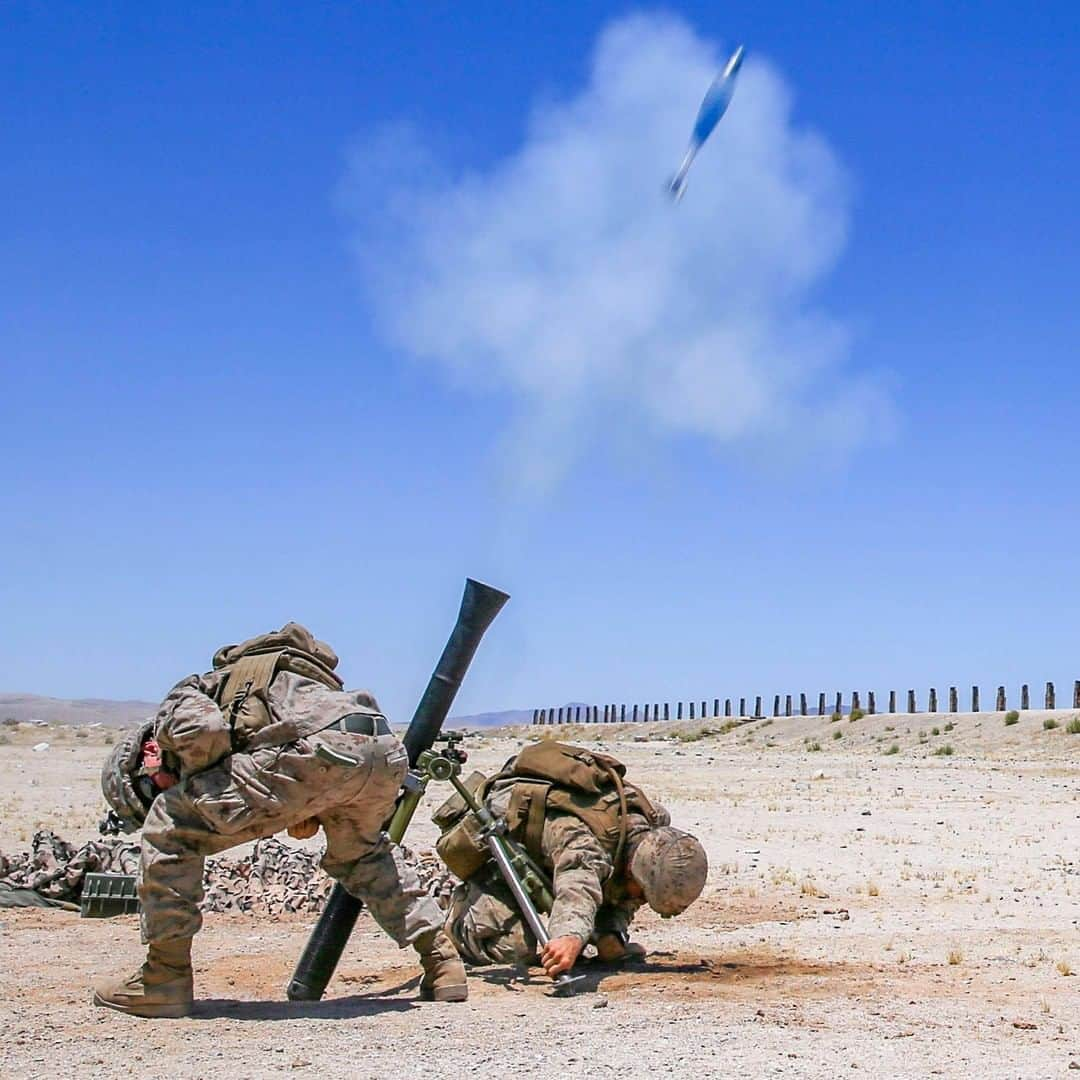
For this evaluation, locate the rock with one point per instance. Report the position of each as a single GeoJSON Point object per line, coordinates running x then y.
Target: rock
{"type": "Point", "coordinates": [37, 748]}
{"type": "Point", "coordinates": [600, 1003]}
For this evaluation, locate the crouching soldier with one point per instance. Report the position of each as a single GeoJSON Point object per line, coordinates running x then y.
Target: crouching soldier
{"type": "Point", "coordinates": [605, 847]}
{"type": "Point", "coordinates": [268, 740]}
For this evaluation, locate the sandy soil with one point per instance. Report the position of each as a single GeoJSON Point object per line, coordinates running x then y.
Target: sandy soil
{"type": "Point", "coordinates": [895, 915]}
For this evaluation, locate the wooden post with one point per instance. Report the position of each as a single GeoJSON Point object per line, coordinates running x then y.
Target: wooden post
{"type": "Point", "coordinates": [802, 704]}
{"type": "Point", "coordinates": [821, 704]}
{"type": "Point", "coordinates": [1076, 694]}
{"type": "Point", "coordinates": [716, 707]}
{"type": "Point", "coordinates": [1051, 697]}
{"type": "Point", "coordinates": [1000, 704]}
{"type": "Point", "coordinates": [727, 706]}
{"type": "Point", "coordinates": [606, 707]}
{"type": "Point", "coordinates": [757, 708]}
{"type": "Point", "coordinates": [691, 710]}
{"type": "Point", "coordinates": [667, 714]}
{"type": "Point", "coordinates": [742, 706]}
{"type": "Point", "coordinates": [932, 707]}
{"type": "Point", "coordinates": [787, 705]}
{"type": "Point", "coordinates": [854, 700]}
{"type": "Point", "coordinates": [776, 705]}
{"type": "Point", "coordinates": [703, 710]}
{"type": "Point", "coordinates": [871, 704]}
{"type": "Point", "coordinates": [892, 701]}
{"type": "Point", "coordinates": [954, 703]}
{"type": "Point", "coordinates": [635, 715]}
{"type": "Point", "coordinates": [839, 702]}
{"type": "Point", "coordinates": [1025, 697]}
{"type": "Point", "coordinates": [560, 716]}
{"type": "Point", "coordinates": [678, 710]}
{"type": "Point", "coordinates": [622, 713]}
{"type": "Point", "coordinates": [646, 712]}
{"type": "Point", "coordinates": [974, 699]}
{"type": "Point", "coordinates": [911, 701]}
{"type": "Point", "coordinates": [536, 716]}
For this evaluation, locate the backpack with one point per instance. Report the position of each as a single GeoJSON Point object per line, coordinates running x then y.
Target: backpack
{"type": "Point", "coordinates": [249, 669]}
{"type": "Point", "coordinates": [548, 776]}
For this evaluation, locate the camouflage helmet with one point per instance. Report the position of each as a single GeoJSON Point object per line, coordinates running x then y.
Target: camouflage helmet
{"type": "Point", "coordinates": [120, 774]}
{"type": "Point", "coordinates": [670, 866]}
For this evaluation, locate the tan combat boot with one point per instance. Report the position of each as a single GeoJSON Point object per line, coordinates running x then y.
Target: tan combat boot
{"type": "Point", "coordinates": [444, 973]}
{"type": "Point", "coordinates": [161, 987]}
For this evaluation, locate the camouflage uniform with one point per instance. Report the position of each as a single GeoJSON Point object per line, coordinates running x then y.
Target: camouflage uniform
{"type": "Point", "coordinates": [224, 801]}
{"type": "Point", "coordinates": [590, 899]}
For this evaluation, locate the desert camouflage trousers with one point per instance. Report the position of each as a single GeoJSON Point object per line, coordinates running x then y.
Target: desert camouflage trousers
{"type": "Point", "coordinates": [485, 924]}
{"type": "Point", "coordinates": [248, 796]}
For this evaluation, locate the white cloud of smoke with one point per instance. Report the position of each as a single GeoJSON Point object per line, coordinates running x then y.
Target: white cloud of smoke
{"type": "Point", "coordinates": [564, 275]}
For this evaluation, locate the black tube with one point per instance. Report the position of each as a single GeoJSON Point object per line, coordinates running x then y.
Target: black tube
{"type": "Point", "coordinates": [479, 606]}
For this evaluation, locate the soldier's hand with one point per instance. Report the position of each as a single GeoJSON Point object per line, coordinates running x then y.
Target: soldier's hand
{"type": "Point", "coordinates": [560, 954]}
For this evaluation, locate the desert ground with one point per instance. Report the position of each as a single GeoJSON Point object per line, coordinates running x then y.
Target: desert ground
{"type": "Point", "coordinates": [900, 913]}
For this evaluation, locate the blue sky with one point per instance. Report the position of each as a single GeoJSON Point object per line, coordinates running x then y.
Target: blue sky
{"type": "Point", "coordinates": [219, 413]}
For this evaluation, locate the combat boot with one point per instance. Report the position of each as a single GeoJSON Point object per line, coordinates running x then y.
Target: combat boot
{"type": "Point", "coordinates": [163, 986]}
{"type": "Point", "coordinates": [444, 973]}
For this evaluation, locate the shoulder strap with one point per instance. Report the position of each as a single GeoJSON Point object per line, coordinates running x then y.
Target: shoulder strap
{"type": "Point", "coordinates": [526, 814]}
{"type": "Point", "coordinates": [249, 677]}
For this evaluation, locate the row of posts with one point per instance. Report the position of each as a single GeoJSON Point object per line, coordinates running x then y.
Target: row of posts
{"type": "Point", "coordinates": [622, 714]}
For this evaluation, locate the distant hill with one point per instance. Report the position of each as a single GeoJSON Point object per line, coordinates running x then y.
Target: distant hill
{"type": "Point", "coordinates": [77, 712]}
{"type": "Point", "coordinates": [491, 719]}
{"type": "Point", "coordinates": [504, 718]}
{"type": "Point", "coordinates": [29, 707]}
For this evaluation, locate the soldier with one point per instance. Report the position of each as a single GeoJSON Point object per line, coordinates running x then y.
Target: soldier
{"type": "Point", "coordinates": [267, 740]}
{"type": "Point", "coordinates": [604, 845]}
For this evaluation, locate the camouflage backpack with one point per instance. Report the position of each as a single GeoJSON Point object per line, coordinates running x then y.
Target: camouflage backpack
{"type": "Point", "coordinates": [249, 669]}
{"type": "Point", "coordinates": [548, 776]}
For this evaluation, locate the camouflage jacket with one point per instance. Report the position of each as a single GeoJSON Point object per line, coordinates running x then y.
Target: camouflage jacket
{"type": "Point", "coordinates": [195, 734]}
{"type": "Point", "coordinates": [589, 895]}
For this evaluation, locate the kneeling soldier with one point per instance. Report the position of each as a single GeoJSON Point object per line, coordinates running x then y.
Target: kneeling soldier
{"type": "Point", "coordinates": [267, 740]}
{"type": "Point", "coordinates": [606, 848]}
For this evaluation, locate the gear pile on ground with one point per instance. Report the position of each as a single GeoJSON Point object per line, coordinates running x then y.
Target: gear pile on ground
{"type": "Point", "coordinates": [274, 878]}
{"type": "Point", "coordinates": [53, 869]}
